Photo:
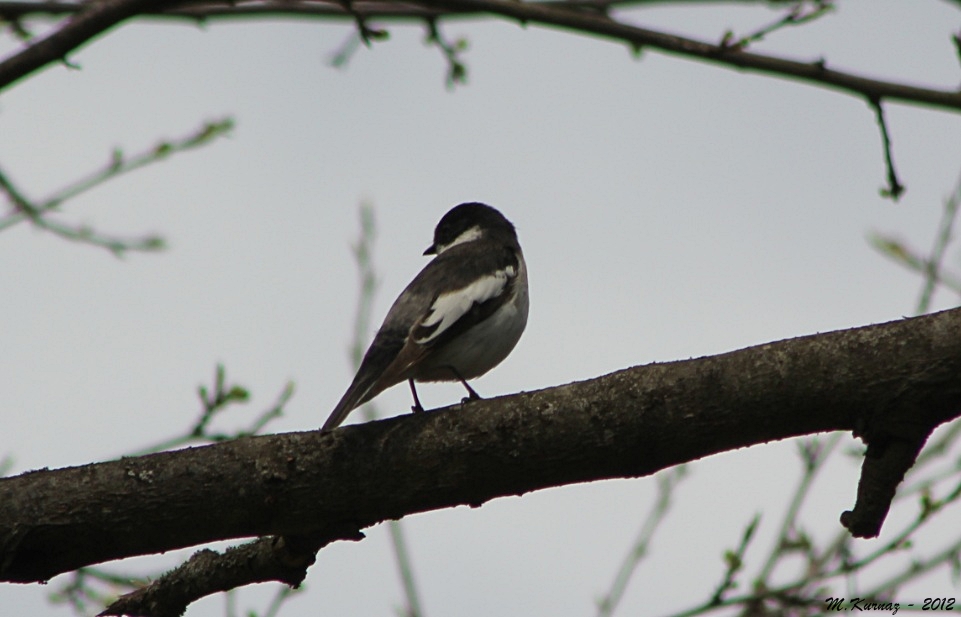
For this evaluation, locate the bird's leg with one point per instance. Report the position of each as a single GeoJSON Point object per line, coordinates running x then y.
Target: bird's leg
{"type": "Point", "coordinates": [472, 395]}
{"type": "Point", "coordinates": [416, 408]}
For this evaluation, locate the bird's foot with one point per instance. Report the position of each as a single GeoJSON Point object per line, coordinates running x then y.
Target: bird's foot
{"type": "Point", "coordinates": [416, 407]}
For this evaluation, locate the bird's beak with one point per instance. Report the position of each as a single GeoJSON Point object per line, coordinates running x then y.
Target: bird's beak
{"type": "Point", "coordinates": [431, 250]}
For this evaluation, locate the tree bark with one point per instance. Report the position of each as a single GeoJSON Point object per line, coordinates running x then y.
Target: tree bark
{"type": "Point", "coordinates": [892, 384]}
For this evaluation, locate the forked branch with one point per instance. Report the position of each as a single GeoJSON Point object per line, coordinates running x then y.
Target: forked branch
{"type": "Point", "coordinates": [891, 384]}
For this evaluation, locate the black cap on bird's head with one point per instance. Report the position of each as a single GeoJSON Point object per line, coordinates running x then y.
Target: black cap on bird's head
{"type": "Point", "coordinates": [465, 222]}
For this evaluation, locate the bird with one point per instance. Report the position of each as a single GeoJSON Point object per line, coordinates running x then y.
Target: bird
{"type": "Point", "coordinates": [457, 319]}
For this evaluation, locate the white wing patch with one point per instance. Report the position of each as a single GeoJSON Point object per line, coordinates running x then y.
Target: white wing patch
{"type": "Point", "coordinates": [451, 306]}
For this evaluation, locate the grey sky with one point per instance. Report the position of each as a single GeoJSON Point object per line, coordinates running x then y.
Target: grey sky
{"type": "Point", "coordinates": [667, 209]}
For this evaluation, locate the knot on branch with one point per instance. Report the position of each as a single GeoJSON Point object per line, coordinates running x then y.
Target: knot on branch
{"type": "Point", "coordinates": [885, 463]}
{"type": "Point", "coordinates": [895, 435]}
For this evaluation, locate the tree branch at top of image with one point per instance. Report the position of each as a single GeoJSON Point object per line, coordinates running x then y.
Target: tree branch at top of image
{"type": "Point", "coordinates": [14, 12]}
{"type": "Point", "coordinates": [89, 20]}
{"type": "Point", "coordinates": [593, 17]}
{"type": "Point", "coordinates": [571, 15]}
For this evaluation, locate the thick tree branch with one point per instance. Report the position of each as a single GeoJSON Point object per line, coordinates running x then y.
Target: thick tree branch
{"type": "Point", "coordinates": [92, 19]}
{"type": "Point", "coordinates": [892, 383]}
{"type": "Point", "coordinates": [16, 10]}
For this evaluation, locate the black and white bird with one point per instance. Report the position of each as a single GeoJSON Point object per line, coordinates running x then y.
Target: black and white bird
{"type": "Point", "coordinates": [459, 317]}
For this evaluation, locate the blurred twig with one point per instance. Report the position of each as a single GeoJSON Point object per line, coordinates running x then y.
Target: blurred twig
{"type": "Point", "coordinates": [931, 267]}
{"type": "Point", "coordinates": [342, 56]}
{"type": "Point", "coordinates": [935, 450]}
{"type": "Point", "coordinates": [797, 15]}
{"type": "Point", "coordinates": [83, 588]}
{"type": "Point", "coordinates": [363, 255]}
{"type": "Point", "coordinates": [951, 554]}
{"type": "Point", "coordinates": [804, 594]}
{"type": "Point", "coordinates": [735, 561]}
{"type": "Point", "coordinates": [363, 251]}
{"type": "Point", "coordinates": [932, 270]}
{"type": "Point", "coordinates": [452, 50]}
{"type": "Point", "coordinates": [88, 590]}
{"type": "Point", "coordinates": [834, 564]}
{"type": "Point", "coordinates": [667, 481]}
{"type": "Point", "coordinates": [38, 212]}
{"type": "Point", "coordinates": [215, 402]}
{"type": "Point", "coordinates": [898, 251]}
{"type": "Point", "coordinates": [814, 453]}
{"type": "Point", "coordinates": [6, 464]}
{"type": "Point", "coordinates": [281, 595]}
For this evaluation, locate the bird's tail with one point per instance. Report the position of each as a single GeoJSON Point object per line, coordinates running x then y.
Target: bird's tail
{"type": "Point", "coordinates": [384, 365]}
{"type": "Point", "coordinates": [357, 394]}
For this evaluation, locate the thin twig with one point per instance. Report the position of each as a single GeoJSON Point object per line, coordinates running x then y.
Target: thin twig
{"type": "Point", "coordinates": [94, 18]}
{"type": "Point", "coordinates": [119, 165]}
{"type": "Point", "coordinates": [809, 583]}
{"type": "Point", "coordinates": [735, 561]}
{"type": "Point", "coordinates": [931, 267]}
{"type": "Point", "coordinates": [367, 34]}
{"type": "Point", "coordinates": [815, 453]}
{"type": "Point", "coordinates": [902, 254]}
{"type": "Point", "coordinates": [214, 404]}
{"type": "Point", "coordinates": [796, 16]}
{"type": "Point", "coordinates": [667, 481]}
{"type": "Point", "coordinates": [284, 593]}
{"type": "Point", "coordinates": [363, 251]}
{"type": "Point", "coordinates": [6, 464]}
{"type": "Point", "coordinates": [894, 187]}
{"type": "Point", "coordinates": [341, 57]}
{"type": "Point", "coordinates": [24, 210]}
{"type": "Point", "coordinates": [95, 586]}
{"type": "Point", "coordinates": [917, 569]}
{"type": "Point", "coordinates": [938, 447]}
{"type": "Point", "coordinates": [456, 69]}
{"type": "Point", "coordinates": [37, 212]}
{"type": "Point", "coordinates": [941, 241]}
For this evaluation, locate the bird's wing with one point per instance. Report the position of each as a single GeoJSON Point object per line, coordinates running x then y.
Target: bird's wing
{"type": "Point", "coordinates": [458, 305]}
{"type": "Point", "coordinates": [422, 318]}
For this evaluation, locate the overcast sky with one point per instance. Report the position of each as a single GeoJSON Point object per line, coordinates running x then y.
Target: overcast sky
{"type": "Point", "coordinates": [667, 209]}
